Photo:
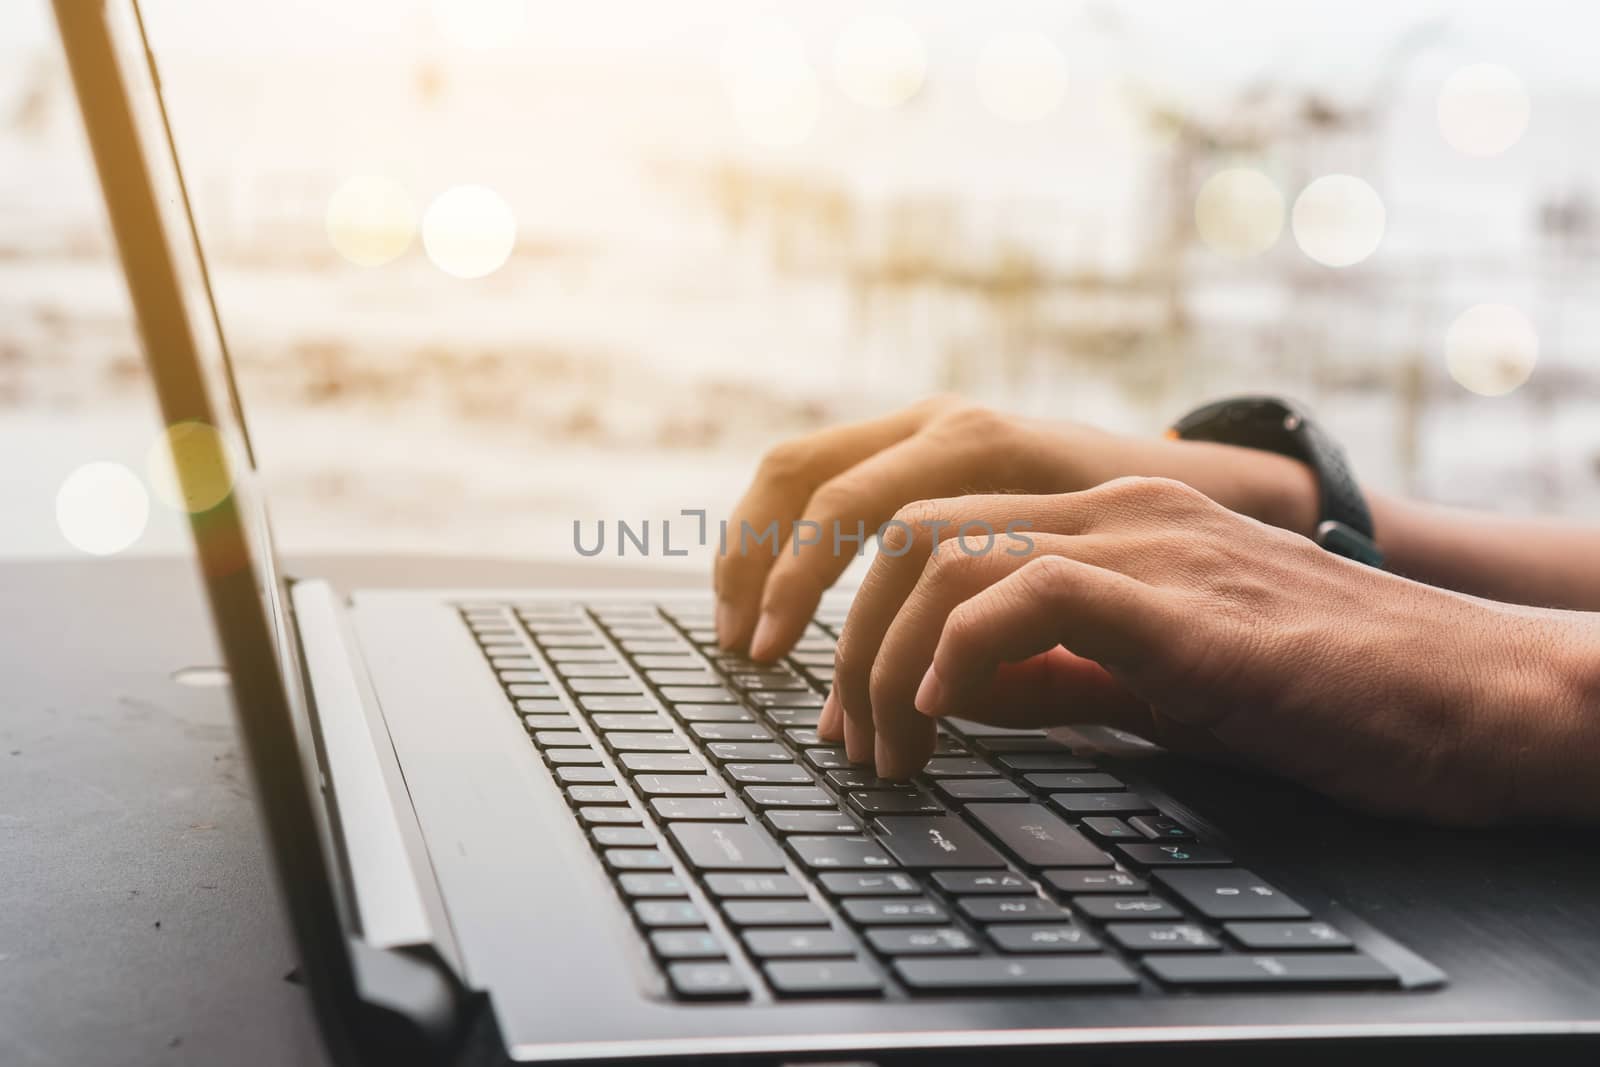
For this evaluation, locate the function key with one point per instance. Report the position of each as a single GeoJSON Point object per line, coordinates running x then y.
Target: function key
{"type": "Point", "coordinates": [1270, 935]}
{"type": "Point", "coordinates": [1231, 893]}
{"type": "Point", "coordinates": [1043, 937]}
{"type": "Point", "coordinates": [686, 945]}
{"type": "Point", "coordinates": [1100, 803]}
{"type": "Point", "coordinates": [917, 941]}
{"type": "Point", "coordinates": [863, 884]}
{"type": "Point", "coordinates": [1175, 856]}
{"type": "Point", "coordinates": [1161, 937]}
{"type": "Point", "coordinates": [707, 981]}
{"type": "Point", "coordinates": [833, 979]}
{"type": "Point", "coordinates": [1152, 909]}
{"type": "Point", "coordinates": [1095, 881]}
{"type": "Point", "coordinates": [1011, 909]}
{"type": "Point", "coordinates": [754, 885]}
{"type": "Point", "coordinates": [976, 882]}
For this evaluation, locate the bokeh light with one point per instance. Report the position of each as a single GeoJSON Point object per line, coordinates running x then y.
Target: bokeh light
{"type": "Point", "coordinates": [1021, 76]}
{"type": "Point", "coordinates": [371, 220]}
{"type": "Point", "coordinates": [1483, 109]}
{"type": "Point", "coordinates": [880, 61]}
{"type": "Point", "coordinates": [1239, 212]}
{"type": "Point", "coordinates": [197, 452]}
{"type": "Point", "coordinates": [102, 508]}
{"type": "Point", "coordinates": [1491, 349]}
{"type": "Point", "coordinates": [469, 231]}
{"type": "Point", "coordinates": [1338, 220]}
{"type": "Point", "coordinates": [770, 82]}
{"type": "Point", "coordinates": [481, 23]}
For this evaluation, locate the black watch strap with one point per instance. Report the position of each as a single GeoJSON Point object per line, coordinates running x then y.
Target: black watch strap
{"type": "Point", "coordinates": [1273, 425]}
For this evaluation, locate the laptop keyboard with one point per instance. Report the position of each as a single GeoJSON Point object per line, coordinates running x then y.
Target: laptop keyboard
{"type": "Point", "coordinates": [757, 861]}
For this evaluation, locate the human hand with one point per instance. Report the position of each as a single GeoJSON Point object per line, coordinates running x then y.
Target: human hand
{"type": "Point", "coordinates": [1144, 605]}
{"type": "Point", "coordinates": [851, 478]}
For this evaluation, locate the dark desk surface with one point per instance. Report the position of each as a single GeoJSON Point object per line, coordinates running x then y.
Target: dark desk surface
{"type": "Point", "coordinates": [138, 920]}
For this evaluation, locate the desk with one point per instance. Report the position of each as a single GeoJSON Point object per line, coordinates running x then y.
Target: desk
{"type": "Point", "coordinates": [138, 918]}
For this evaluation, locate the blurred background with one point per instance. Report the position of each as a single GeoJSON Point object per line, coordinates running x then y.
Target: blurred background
{"type": "Point", "coordinates": [490, 266]}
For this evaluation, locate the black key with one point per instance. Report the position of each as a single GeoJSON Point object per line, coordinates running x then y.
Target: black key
{"type": "Point", "coordinates": [892, 802]}
{"type": "Point", "coordinates": [638, 703]}
{"type": "Point", "coordinates": [915, 941]}
{"type": "Point", "coordinates": [637, 859]}
{"type": "Point", "coordinates": [788, 796]}
{"type": "Point", "coordinates": [606, 687]}
{"type": "Point", "coordinates": [850, 778]}
{"type": "Point", "coordinates": [786, 700]}
{"type": "Point", "coordinates": [1043, 937]}
{"type": "Point", "coordinates": [1230, 893]}
{"type": "Point", "coordinates": [700, 677]}
{"type": "Point", "coordinates": [712, 713]}
{"type": "Point", "coordinates": [768, 773]}
{"type": "Point", "coordinates": [664, 762]}
{"type": "Point", "coordinates": [707, 981]}
{"type": "Point", "coordinates": [1161, 937]}
{"type": "Point", "coordinates": [678, 785]}
{"type": "Point", "coordinates": [754, 885]}
{"type": "Point", "coordinates": [622, 836]}
{"type": "Point", "coordinates": [774, 913]}
{"type": "Point", "coordinates": [730, 731]}
{"type": "Point", "coordinates": [1176, 856]}
{"type": "Point", "coordinates": [584, 775]}
{"type": "Point", "coordinates": [749, 752]}
{"type": "Point", "coordinates": [1316, 968]}
{"type": "Point", "coordinates": [685, 945]}
{"type": "Point", "coordinates": [813, 822]}
{"type": "Point", "coordinates": [1269, 935]}
{"type": "Point", "coordinates": [1161, 828]}
{"type": "Point", "coordinates": [784, 944]}
{"type": "Point", "coordinates": [770, 683]}
{"type": "Point", "coordinates": [1153, 909]}
{"type": "Point", "coordinates": [560, 739]}
{"type": "Point", "coordinates": [1095, 881]}
{"type": "Point", "coordinates": [935, 841]}
{"type": "Point", "coordinates": [1043, 761]}
{"type": "Point", "coordinates": [958, 767]}
{"type": "Point", "coordinates": [833, 979]}
{"type": "Point", "coordinates": [1000, 882]}
{"type": "Point", "coordinates": [827, 759]}
{"type": "Point", "coordinates": [533, 692]}
{"type": "Point", "coordinates": [719, 809]}
{"type": "Point", "coordinates": [967, 728]}
{"type": "Point", "coordinates": [1074, 783]}
{"type": "Point", "coordinates": [839, 853]}
{"type": "Point", "coordinates": [651, 885]}
{"type": "Point", "coordinates": [541, 707]}
{"type": "Point", "coordinates": [894, 911]}
{"type": "Point", "coordinates": [820, 674]}
{"type": "Point", "coordinates": [962, 790]}
{"type": "Point", "coordinates": [1100, 803]}
{"type": "Point", "coordinates": [868, 884]}
{"type": "Point", "coordinates": [609, 816]}
{"type": "Point", "coordinates": [1111, 828]}
{"type": "Point", "coordinates": [630, 723]}
{"type": "Point", "coordinates": [804, 736]}
{"type": "Point", "coordinates": [1038, 972]}
{"type": "Point", "coordinates": [1037, 837]}
{"type": "Point", "coordinates": [725, 847]}
{"type": "Point", "coordinates": [1012, 909]}
{"type": "Point", "coordinates": [596, 794]}
{"type": "Point", "coordinates": [591, 670]}
{"type": "Point", "coordinates": [574, 756]}
{"type": "Point", "coordinates": [644, 742]}
{"type": "Point", "coordinates": [793, 716]}
{"type": "Point", "coordinates": [549, 722]}
{"type": "Point", "coordinates": [697, 694]}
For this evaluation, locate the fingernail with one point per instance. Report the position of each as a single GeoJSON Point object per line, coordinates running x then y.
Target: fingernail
{"type": "Point", "coordinates": [726, 621]}
{"type": "Point", "coordinates": [766, 637]}
{"type": "Point", "coordinates": [930, 694]}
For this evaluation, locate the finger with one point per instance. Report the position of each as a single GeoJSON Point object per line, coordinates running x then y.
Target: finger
{"type": "Point", "coordinates": [854, 504]}
{"type": "Point", "coordinates": [784, 481]}
{"type": "Point", "coordinates": [829, 726]}
{"type": "Point", "coordinates": [1093, 612]}
{"type": "Point", "coordinates": [1051, 688]}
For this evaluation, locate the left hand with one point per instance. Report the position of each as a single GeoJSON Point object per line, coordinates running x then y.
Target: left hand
{"type": "Point", "coordinates": [1143, 605]}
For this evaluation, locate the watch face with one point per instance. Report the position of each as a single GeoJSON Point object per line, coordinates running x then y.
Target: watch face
{"type": "Point", "coordinates": [1341, 540]}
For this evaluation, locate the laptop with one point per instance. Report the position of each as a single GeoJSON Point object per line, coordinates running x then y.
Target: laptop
{"type": "Point", "coordinates": [558, 824]}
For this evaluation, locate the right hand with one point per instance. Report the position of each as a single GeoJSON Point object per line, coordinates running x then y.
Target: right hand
{"type": "Point", "coordinates": [944, 447]}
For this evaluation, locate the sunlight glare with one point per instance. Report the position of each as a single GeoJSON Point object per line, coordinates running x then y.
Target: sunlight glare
{"type": "Point", "coordinates": [1491, 349]}
{"type": "Point", "coordinates": [1338, 220]}
{"type": "Point", "coordinates": [770, 82]}
{"type": "Point", "coordinates": [1021, 76]}
{"type": "Point", "coordinates": [1483, 109]}
{"type": "Point", "coordinates": [880, 61]}
{"type": "Point", "coordinates": [102, 508]}
{"type": "Point", "coordinates": [1239, 212]}
{"type": "Point", "coordinates": [198, 451]}
{"type": "Point", "coordinates": [468, 231]}
{"type": "Point", "coordinates": [371, 220]}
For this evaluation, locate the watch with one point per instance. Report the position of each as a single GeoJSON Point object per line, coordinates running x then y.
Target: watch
{"type": "Point", "coordinates": [1266, 423]}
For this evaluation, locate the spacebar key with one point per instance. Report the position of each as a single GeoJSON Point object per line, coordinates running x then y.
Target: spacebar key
{"type": "Point", "coordinates": [1037, 972]}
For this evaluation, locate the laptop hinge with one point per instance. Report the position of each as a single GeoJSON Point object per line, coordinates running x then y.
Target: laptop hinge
{"type": "Point", "coordinates": [396, 900]}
